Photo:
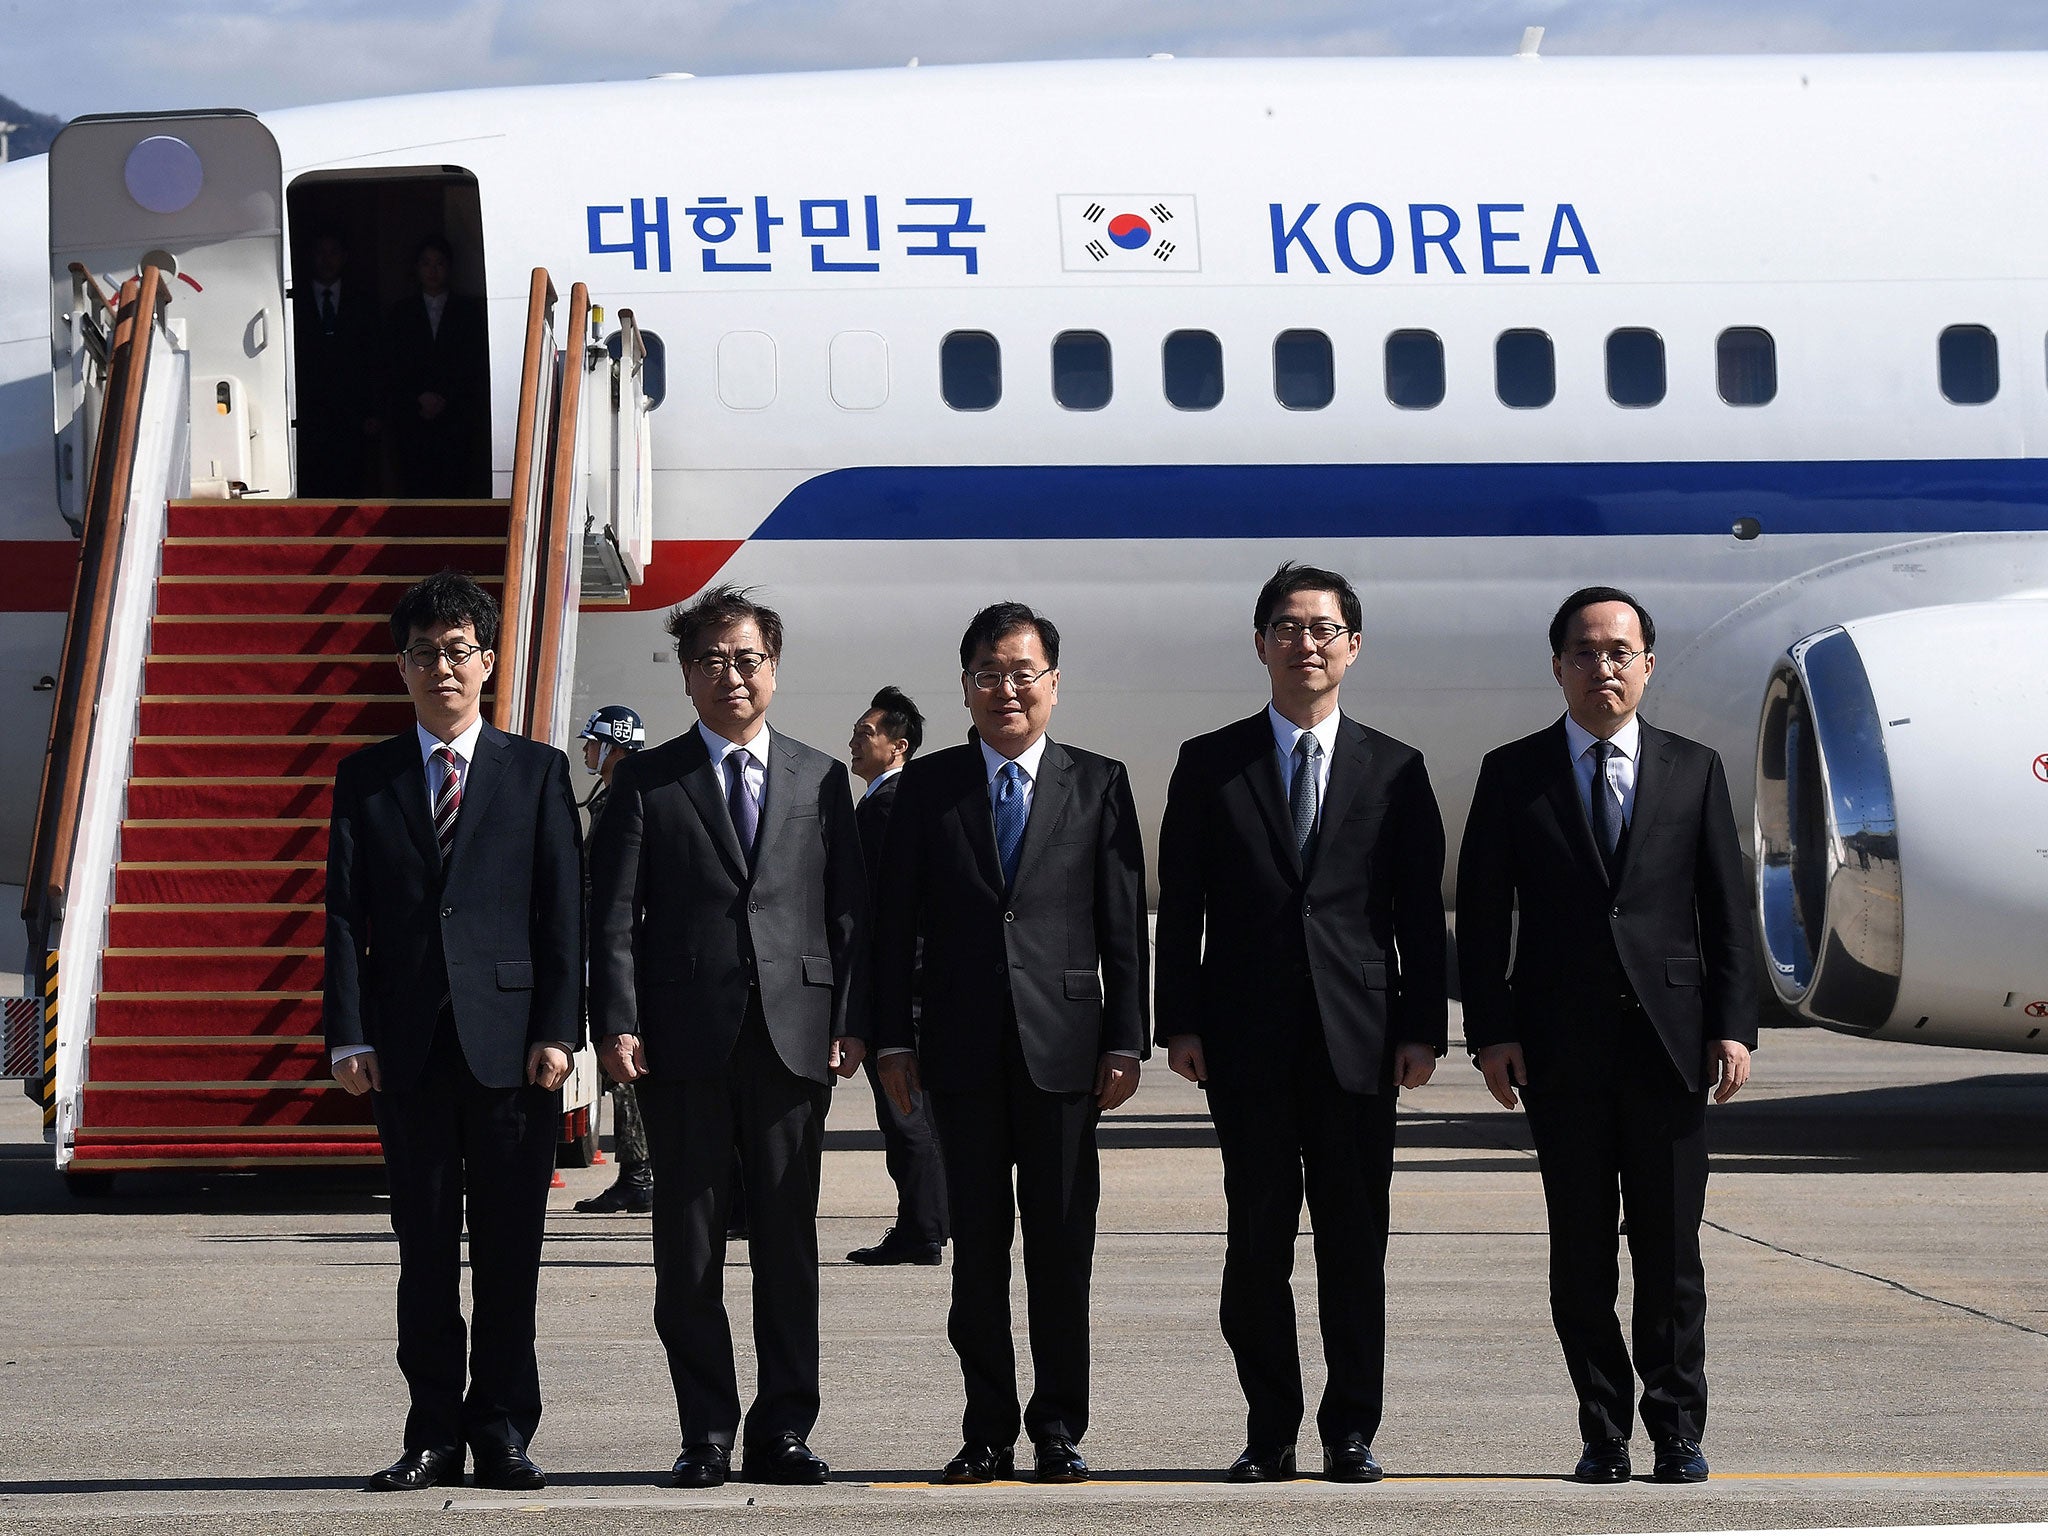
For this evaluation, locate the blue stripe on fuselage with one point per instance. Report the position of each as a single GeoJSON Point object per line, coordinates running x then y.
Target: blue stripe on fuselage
{"type": "Point", "coordinates": [1158, 501]}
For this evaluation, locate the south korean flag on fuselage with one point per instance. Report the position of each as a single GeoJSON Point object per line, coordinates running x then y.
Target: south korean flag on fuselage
{"type": "Point", "coordinates": [1129, 232]}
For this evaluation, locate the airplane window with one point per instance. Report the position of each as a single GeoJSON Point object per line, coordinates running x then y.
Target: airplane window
{"type": "Point", "coordinates": [1304, 372]}
{"type": "Point", "coordinates": [1193, 362]}
{"type": "Point", "coordinates": [746, 370]}
{"type": "Point", "coordinates": [1969, 364]}
{"type": "Point", "coordinates": [1080, 370]}
{"type": "Point", "coordinates": [1525, 369]}
{"type": "Point", "coordinates": [1415, 370]}
{"type": "Point", "coordinates": [971, 371]}
{"type": "Point", "coordinates": [653, 367]}
{"type": "Point", "coordinates": [1635, 367]}
{"type": "Point", "coordinates": [1748, 361]}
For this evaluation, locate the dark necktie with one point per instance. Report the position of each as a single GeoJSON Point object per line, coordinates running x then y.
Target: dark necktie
{"type": "Point", "coordinates": [740, 801]}
{"type": "Point", "coordinates": [1010, 818]}
{"type": "Point", "coordinates": [1605, 807]}
{"type": "Point", "coordinates": [1306, 799]}
{"type": "Point", "coordinates": [327, 311]}
{"type": "Point", "coordinates": [448, 803]}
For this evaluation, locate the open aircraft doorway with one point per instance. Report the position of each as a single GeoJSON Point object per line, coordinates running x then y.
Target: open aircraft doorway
{"type": "Point", "coordinates": [391, 354]}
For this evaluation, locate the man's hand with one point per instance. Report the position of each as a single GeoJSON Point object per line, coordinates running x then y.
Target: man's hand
{"type": "Point", "coordinates": [1184, 1058]}
{"type": "Point", "coordinates": [623, 1058]}
{"type": "Point", "coordinates": [546, 1065]}
{"type": "Point", "coordinates": [1504, 1070]}
{"type": "Point", "coordinates": [1116, 1079]}
{"type": "Point", "coordinates": [359, 1074]}
{"type": "Point", "coordinates": [1731, 1068]}
{"type": "Point", "coordinates": [899, 1078]}
{"type": "Point", "coordinates": [847, 1053]}
{"type": "Point", "coordinates": [431, 406]}
{"type": "Point", "coordinates": [1413, 1064]}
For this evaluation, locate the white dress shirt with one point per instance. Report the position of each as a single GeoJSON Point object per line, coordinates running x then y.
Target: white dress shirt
{"type": "Point", "coordinates": [756, 770]}
{"type": "Point", "coordinates": [879, 780]}
{"type": "Point", "coordinates": [437, 306]}
{"type": "Point", "coordinates": [1287, 735]}
{"type": "Point", "coordinates": [1621, 767]}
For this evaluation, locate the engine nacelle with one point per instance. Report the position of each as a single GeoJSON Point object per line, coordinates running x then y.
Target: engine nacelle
{"type": "Point", "coordinates": [1902, 825]}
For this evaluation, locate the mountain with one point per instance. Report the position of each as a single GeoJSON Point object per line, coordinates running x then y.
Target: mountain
{"type": "Point", "coordinates": [35, 132]}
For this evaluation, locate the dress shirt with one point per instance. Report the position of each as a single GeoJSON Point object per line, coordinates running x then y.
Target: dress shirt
{"type": "Point", "coordinates": [756, 770]}
{"type": "Point", "coordinates": [1621, 767]}
{"type": "Point", "coordinates": [1287, 735]}
{"type": "Point", "coordinates": [437, 306]}
{"type": "Point", "coordinates": [327, 296]}
{"type": "Point", "coordinates": [879, 780]}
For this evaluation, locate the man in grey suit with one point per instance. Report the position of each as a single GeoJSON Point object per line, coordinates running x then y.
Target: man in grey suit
{"type": "Point", "coordinates": [727, 902]}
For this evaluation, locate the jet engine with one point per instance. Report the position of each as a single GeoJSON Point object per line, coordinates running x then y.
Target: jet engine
{"type": "Point", "coordinates": [1902, 825]}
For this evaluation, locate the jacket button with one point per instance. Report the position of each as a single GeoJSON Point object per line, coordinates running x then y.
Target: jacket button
{"type": "Point", "coordinates": [1615, 913]}
{"type": "Point", "coordinates": [447, 911]}
{"type": "Point", "coordinates": [1307, 907]}
{"type": "Point", "coordinates": [753, 906]}
{"type": "Point", "coordinates": [1009, 917]}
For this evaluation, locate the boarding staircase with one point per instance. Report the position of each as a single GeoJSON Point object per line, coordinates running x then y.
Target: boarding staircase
{"type": "Point", "coordinates": [222, 657]}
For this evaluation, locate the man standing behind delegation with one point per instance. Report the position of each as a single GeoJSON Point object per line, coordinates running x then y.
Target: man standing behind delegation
{"type": "Point", "coordinates": [453, 998]}
{"type": "Point", "coordinates": [884, 739]}
{"type": "Point", "coordinates": [1622, 995]}
{"type": "Point", "coordinates": [727, 906]}
{"type": "Point", "coordinates": [1017, 862]}
{"type": "Point", "coordinates": [1301, 980]}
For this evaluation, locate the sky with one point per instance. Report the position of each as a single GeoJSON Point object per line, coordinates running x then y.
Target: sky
{"type": "Point", "coordinates": [274, 53]}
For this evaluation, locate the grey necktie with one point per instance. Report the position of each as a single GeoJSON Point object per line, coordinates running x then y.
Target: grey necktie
{"type": "Point", "coordinates": [1605, 808]}
{"type": "Point", "coordinates": [1306, 799]}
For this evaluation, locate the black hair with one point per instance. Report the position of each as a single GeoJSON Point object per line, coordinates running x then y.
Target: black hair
{"type": "Point", "coordinates": [1586, 597]}
{"type": "Point", "coordinates": [1293, 577]}
{"type": "Point", "coordinates": [901, 720]}
{"type": "Point", "coordinates": [716, 609]}
{"type": "Point", "coordinates": [989, 626]}
{"type": "Point", "coordinates": [446, 597]}
{"type": "Point", "coordinates": [433, 243]}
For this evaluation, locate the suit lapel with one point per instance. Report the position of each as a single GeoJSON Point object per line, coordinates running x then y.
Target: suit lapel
{"type": "Point", "coordinates": [977, 816]}
{"type": "Point", "coordinates": [778, 791]}
{"type": "Point", "coordinates": [1348, 767]}
{"type": "Point", "coordinates": [486, 773]}
{"type": "Point", "coordinates": [1262, 773]}
{"type": "Point", "coordinates": [701, 783]}
{"type": "Point", "coordinates": [1049, 797]}
{"type": "Point", "coordinates": [1562, 790]}
{"type": "Point", "coordinates": [1653, 772]}
{"type": "Point", "coordinates": [409, 783]}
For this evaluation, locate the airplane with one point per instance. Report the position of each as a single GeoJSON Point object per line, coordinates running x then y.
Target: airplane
{"type": "Point", "coordinates": [1759, 339]}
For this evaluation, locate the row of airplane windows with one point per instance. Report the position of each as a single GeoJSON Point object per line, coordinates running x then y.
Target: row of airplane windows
{"type": "Point", "coordinates": [1525, 368]}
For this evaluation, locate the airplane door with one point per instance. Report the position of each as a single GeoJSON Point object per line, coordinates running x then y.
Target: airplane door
{"type": "Point", "coordinates": [200, 195]}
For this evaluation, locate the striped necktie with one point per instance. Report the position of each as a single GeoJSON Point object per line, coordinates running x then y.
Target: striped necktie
{"type": "Point", "coordinates": [448, 803]}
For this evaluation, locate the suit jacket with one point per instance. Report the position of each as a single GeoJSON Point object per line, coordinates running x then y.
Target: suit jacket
{"type": "Point", "coordinates": [1676, 917]}
{"type": "Point", "coordinates": [1064, 946]}
{"type": "Point", "coordinates": [453, 362]}
{"type": "Point", "coordinates": [1237, 909]}
{"type": "Point", "coordinates": [336, 373]}
{"type": "Point", "coordinates": [681, 924]}
{"type": "Point", "coordinates": [501, 931]}
{"type": "Point", "coordinates": [871, 815]}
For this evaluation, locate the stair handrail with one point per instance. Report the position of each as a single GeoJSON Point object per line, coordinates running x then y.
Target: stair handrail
{"type": "Point", "coordinates": [530, 486]}
{"type": "Point", "coordinates": [558, 582]}
{"type": "Point", "coordinates": [83, 659]}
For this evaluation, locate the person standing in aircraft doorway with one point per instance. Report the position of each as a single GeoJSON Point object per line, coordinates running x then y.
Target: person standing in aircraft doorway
{"type": "Point", "coordinates": [437, 384]}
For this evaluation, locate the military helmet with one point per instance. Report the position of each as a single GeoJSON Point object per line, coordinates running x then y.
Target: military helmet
{"type": "Point", "coordinates": [615, 725]}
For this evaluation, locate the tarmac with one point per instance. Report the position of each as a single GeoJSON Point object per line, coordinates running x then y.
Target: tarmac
{"type": "Point", "coordinates": [215, 1351]}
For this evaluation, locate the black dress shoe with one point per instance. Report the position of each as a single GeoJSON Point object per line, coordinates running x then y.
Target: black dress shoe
{"type": "Point", "coordinates": [1055, 1460]}
{"type": "Point", "coordinates": [981, 1464]}
{"type": "Point", "coordinates": [785, 1459]}
{"type": "Point", "coordinates": [701, 1466]}
{"type": "Point", "coordinates": [418, 1469]}
{"type": "Point", "coordinates": [1679, 1461]}
{"type": "Point", "coordinates": [1603, 1461]}
{"type": "Point", "coordinates": [633, 1198]}
{"type": "Point", "coordinates": [1272, 1464]}
{"type": "Point", "coordinates": [1351, 1460]}
{"type": "Point", "coordinates": [898, 1247]}
{"type": "Point", "coordinates": [507, 1466]}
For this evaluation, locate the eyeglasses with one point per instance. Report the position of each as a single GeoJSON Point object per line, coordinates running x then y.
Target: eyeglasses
{"type": "Point", "coordinates": [424, 657]}
{"type": "Point", "coordinates": [1592, 661]}
{"type": "Point", "coordinates": [1321, 631]}
{"type": "Point", "coordinates": [715, 664]}
{"type": "Point", "coordinates": [1019, 681]}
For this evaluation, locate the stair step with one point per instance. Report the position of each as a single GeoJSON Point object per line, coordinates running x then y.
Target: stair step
{"type": "Point", "coordinates": [184, 678]}
{"type": "Point", "coordinates": [251, 927]}
{"type": "Point", "coordinates": [331, 1145]}
{"type": "Point", "coordinates": [154, 971]}
{"type": "Point", "coordinates": [216, 758]}
{"type": "Point", "coordinates": [206, 842]}
{"type": "Point", "coordinates": [344, 715]}
{"type": "Point", "coordinates": [289, 636]}
{"type": "Point", "coordinates": [204, 1060]}
{"type": "Point", "coordinates": [230, 799]}
{"type": "Point", "coordinates": [197, 1106]}
{"type": "Point", "coordinates": [408, 558]}
{"type": "Point", "coordinates": [343, 520]}
{"type": "Point", "coordinates": [246, 595]}
{"type": "Point", "coordinates": [165, 1017]}
{"type": "Point", "coordinates": [240, 885]}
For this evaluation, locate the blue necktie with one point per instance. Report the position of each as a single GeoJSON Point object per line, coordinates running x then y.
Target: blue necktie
{"type": "Point", "coordinates": [739, 800]}
{"type": "Point", "coordinates": [1009, 819]}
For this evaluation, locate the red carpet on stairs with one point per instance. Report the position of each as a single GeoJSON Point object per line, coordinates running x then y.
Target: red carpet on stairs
{"type": "Point", "coordinates": [269, 661]}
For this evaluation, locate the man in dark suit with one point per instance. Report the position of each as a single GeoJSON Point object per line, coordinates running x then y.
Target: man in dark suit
{"type": "Point", "coordinates": [884, 739]}
{"type": "Point", "coordinates": [1301, 981]}
{"type": "Point", "coordinates": [453, 997]}
{"type": "Point", "coordinates": [728, 904]}
{"type": "Point", "coordinates": [437, 384]}
{"type": "Point", "coordinates": [334, 336]}
{"type": "Point", "coordinates": [1624, 993]}
{"type": "Point", "coordinates": [1016, 862]}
